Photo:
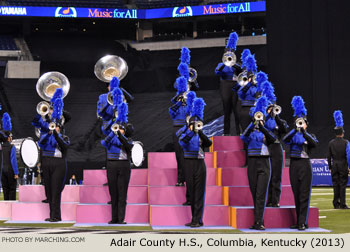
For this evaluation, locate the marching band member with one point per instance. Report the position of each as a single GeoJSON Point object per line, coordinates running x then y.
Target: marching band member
{"type": "Point", "coordinates": [300, 170]}
{"type": "Point", "coordinates": [229, 87]}
{"type": "Point", "coordinates": [54, 146]}
{"type": "Point", "coordinates": [9, 168]}
{"type": "Point", "coordinates": [338, 156]}
{"type": "Point", "coordinates": [118, 163]}
{"type": "Point", "coordinates": [278, 127]}
{"type": "Point", "coordinates": [193, 141]}
{"type": "Point", "coordinates": [258, 139]}
{"type": "Point", "coordinates": [186, 71]}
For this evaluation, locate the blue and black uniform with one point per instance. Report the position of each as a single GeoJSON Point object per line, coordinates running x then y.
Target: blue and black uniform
{"type": "Point", "coordinates": [300, 171]}
{"type": "Point", "coordinates": [193, 145]}
{"type": "Point", "coordinates": [118, 172]}
{"type": "Point", "coordinates": [229, 95]}
{"type": "Point", "coordinates": [247, 96]}
{"type": "Point", "coordinates": [279, 127]}
{"type": "Point", "coordinates": [258, 139]}
{"type": "Point", "coordinates": [9, 168]}
{"type": "Point", "coordinates": [338, 163]}
{"type": "Point", "coordinates": [54, 147]}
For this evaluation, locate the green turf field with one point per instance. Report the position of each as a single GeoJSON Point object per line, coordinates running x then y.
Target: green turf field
{"type": "Point", "coordinates": [336, 220]}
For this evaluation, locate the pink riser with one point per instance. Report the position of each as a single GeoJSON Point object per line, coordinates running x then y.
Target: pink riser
{"type": "Point", "coordinates": [36, 193]}
{"type": "Point", "coordinates": [99, 177]}
{"type": "Point", "coordinates": [171, 195]}
{"type": "Point", "coordinates": [6, 209]}
{"type": "Point", "coordinates": [230, 159]}
{"type": "Point", "coordinates": [164, 160]}
{"type": "Point", "coordinates": [233, 143]}
{"type": "Point", "coordinates": [179, 215]}
{"type": "Point", "coordinates": [40, 211]}
{"type": "Point", "coordinates": [102, 213]}
{"type": "Point", "coordinates": [100, 194]}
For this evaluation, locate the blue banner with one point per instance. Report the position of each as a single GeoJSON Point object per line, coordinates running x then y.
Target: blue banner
{"type": "Point", "coordinates": [321, 174]}
{"type": "Point", "coordinates": [175, 12]}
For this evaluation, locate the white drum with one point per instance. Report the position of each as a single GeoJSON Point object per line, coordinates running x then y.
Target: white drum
{"type": "Point", "coordinates": [27, 151]}
{"type": "Point", "coordinates": [137, 154]}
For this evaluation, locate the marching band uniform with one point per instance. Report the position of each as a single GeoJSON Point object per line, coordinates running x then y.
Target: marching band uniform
{"type": "Point", "coordinates": [229, 87]}
{"type": "Point", "coordinates": [258, 139]}
{"type": "Point", "coordinates": [300, 171]}
{"type": "Point", "coordinates": [278, 127]}
{"type": "Point", "coordinates": [9, 168]}
{"type": "Point", "coordinates": [193, 143]}
{"type": "Point", "coordinates": [118, 166]}
{"type": "Point", "coordinates": [338, 156]}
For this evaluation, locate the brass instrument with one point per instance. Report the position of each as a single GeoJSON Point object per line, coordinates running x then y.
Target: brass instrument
{"type": "Point", "coordinates": [110, 98]}
{"type": "Point", "coordinates": [193, 74]}
{"type": "Point", "coordinates": [242, 79]}
{"type": "Point", "coordinates": [52, 126]}
{"type": "Point", "coordinates": [259, 116]}
{"type": "Point", "coordinates": [198, 126]}
{"type": "Point", "coordinates": [300, 122]}
{"type": "Point", "coordinates": [115, 127]}
{"type": "Point", "coordinates": [229, 58]}
{"type": "Point", "coordinates": [277, 110]}
{"type": "Point", "coordinates": [110, 66]}
{"type": "Point", "coordinates": [49, 82]}
{"type": "Point", "coordinates": [43, 108]}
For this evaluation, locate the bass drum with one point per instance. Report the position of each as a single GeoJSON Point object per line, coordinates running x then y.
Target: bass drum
{"type": "Point", "coordinates": [137, 154]}
{"type": "Point", "coordinates": [27, 152]}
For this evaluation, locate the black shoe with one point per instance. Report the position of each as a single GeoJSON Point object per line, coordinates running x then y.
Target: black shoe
{"type": "Point", "coordinates": [196, 225]}
{"type": "Point", "coordinates": [294, 226]}
{"type": "Point", "coordinates": [105, 184]}
{"type": "Point", "coordinates": [301, 227]}
{"type": "Point", "coordinates": [121, 222]}
{"type": "Point", "coordinates": [180, 184]}
{"type": "Point", "coordinates": [275, 205]}
{"type": "Point", "coordinates": [187, 203]}
{"type": "Point", "coordinates": [109, 202]}
{"type": "Point", "coordinates": [113, 222]}
{"type": "Point", "coordinates": [188, 224]}
{"type": "Point", "coordinates": [55, 220]}
{"type": "Point", "coordinates": [269, 204]}
{"type": "Point", "coordinates": [45, 201]}
{"type": "Point", "coordinates": [48, 219]}
{"type": "Point", "coordinates": [344, 207]}
{"type": "Point", "coordinates": [259, 227]}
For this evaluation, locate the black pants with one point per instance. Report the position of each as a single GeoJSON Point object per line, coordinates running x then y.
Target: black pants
{"type": "Point", "coordinates": [276, 157]}
{"type": "Point", "coordinates": [245, 119]}
{"type": "Point", "coordinates": [259, 171]}
{"type": "Point", "coordinates": [179, 156]}
{"type": "Point", "coordinates": [339, 179]}
{"type": "Point", "coordinates": [300, 173]}
{"type": "Point", "coordinates": [197, 173]}
{"type": "Point", "coordinates": [118, 176]}
{"type": "Point", "coordinates": [9, 184]}
{"type": "Point", "coordinates": [231, 104]}
{"type": "Point", "coordinates": [55, 178]}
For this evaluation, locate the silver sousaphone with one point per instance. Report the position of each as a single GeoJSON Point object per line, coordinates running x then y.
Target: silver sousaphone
{"type": "Point", "coordinates": [110, 66]}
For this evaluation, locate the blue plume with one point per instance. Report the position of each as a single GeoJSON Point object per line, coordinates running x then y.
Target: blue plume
{"type": "Point", "coordinates": [299, 106]}
{"type": "Point", "coordinates": [57, 110]}
{"type": "Point", "coordinates": [232, 41]}
{"type": "Point", "coordinates": [260, 78]}
{"type": "Point", "coordinates": [117, 95]}
{"type": "Point", "coordinates": [181, 84]}
{"type": "Point", "coordinates": [338, 118]}
{"type": "Point", "coordinates": [348, 153]}
{"type": "Point", "coordinates": [244, 55]}
{"type": "Point", "coordinates": [183, 70]}
{"type": "Point", "coordinates": [189, 102]}
{"type": "Point", "coordinates": [6, 122]}
{"type": "Point", "coordinates": [185, 55]}
{"type": "Point", "coordinates": [251, 64]}
{"type": "Point", "coordinates": [198, 108]}
{"type": "Point", "coordinates": [261, 105]}
{"type": "Point", "coordinates": [269, 91]}
{"type": "Point", "coordinates": [57, 95]}
{"type": "Point", "coordinates": [123, 113]}
{"type": "Point", "coordinates": [114, 83]}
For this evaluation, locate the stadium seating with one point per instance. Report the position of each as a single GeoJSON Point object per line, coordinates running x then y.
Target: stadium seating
{"type": "Point", "coordinates": [7, 43]}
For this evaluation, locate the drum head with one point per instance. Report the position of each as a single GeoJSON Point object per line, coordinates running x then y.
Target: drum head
{"type": "Point", "coordinates": [137, 154]}
{"type": "Point", "coordinates": [29, 153]}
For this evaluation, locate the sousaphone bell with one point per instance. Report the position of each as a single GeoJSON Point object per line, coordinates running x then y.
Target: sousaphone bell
{"type": "Point", "coordinates": [110, 66]}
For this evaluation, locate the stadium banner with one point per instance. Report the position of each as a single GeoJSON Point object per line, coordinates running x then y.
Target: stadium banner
{"type": "Point", "coordinates": [321, 173]}
{"type": "Point", "coordinates": [175, 12]}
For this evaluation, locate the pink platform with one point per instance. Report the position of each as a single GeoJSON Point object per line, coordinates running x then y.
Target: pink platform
{"type": "Point", "coordinates": [100, 194]}
{"type": "Point", "coordinates": [237, 176]}
{"type": "Point", "coordinates": [172, 195]}
{"type": "Point", "coordinates": [241, 196]}
{"type": "Point", "coordinates": [36, 193]}
{"type": "Point", "coordinates": [179, 215]}
{"type": "Point", "coordinates": [40, 211]}
{"type": "Point", "coordinates": [168, 177]}
{"type": "Point", "coordinates": [102, 213]}
{"type": "Point", "coordinates": [274, 217]}
{"type": "Point", "coordinates": [6, 209]}
{"type": "Point", "coordinates": [230, 159]}
{"type": "Point", "coordinates": [99, 177]}
{"type": "Point", "coordinates": [163, 160]}
{"type": "Point", "coordinates": [232, 143]}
